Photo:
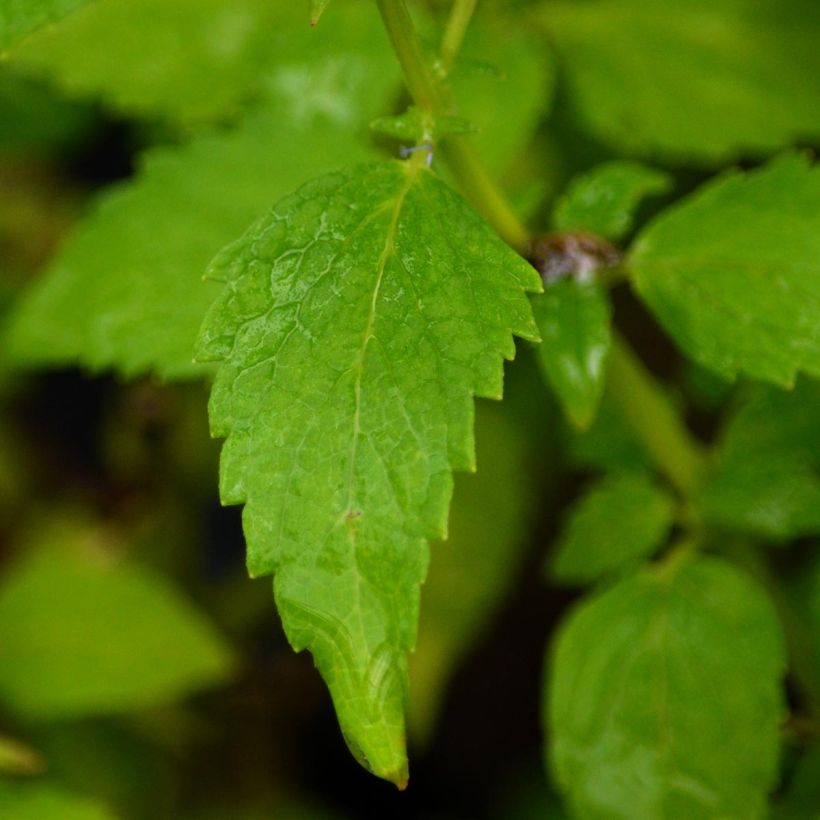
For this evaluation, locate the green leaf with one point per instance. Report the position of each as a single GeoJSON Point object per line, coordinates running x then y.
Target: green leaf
{"type": "Point", "coordinates": [20, 17]}
{"type": "Point", "coordinates": [201, 60]}
{"type": "Point", "coordinates": [801, 798]}
{"type": "Point", "coordinates": [506, 98]}
{"type": "Point", "coordinates": [697, 80]}
{"type": "Point", "coordinates": [357, 321]}
{"type": "Point", "coordinates": [42, 801]}
{"type": "Point", "coordinates": [621, 519]}
{"type": "Point", "coordinates": [665, 698]}
{"type": "Point", "coordinates": [573, 318]}
{"type": "Point", "coordinates": [604, 200]}
{"type": "Point", "coordinates": [126, 291]}
{"type": "Point", "coordinates": [733, 272]}
{"type": "Point", "coordinates": [80, 635]}
{"type": "Point", "coordinates": [767, 475]}
{"type": "Point", "coordinates": [490, 516]}
{"type": "Point", "coordinates": [416, 125]}
{"type": "Point", "coordinates": [317, 8]}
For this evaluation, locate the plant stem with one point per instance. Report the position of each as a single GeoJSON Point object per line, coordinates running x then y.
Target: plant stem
{"type": "Point", "coordinates": [454, 32]}
{"type": "Point", "coordinates": [670, 446]}
{"type": "Point", "coordinates": [466, 166]}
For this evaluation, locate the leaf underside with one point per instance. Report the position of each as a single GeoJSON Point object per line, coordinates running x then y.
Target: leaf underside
{"type": "Point", "coordinates": [358, 320]}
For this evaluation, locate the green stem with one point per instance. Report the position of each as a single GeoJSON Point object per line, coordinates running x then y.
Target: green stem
{"type": "Point", "coordinates": [654, 420]}
{"type": "Point", "coordinates": [469, 172]}
{"type": "Point", "coordinates": [454, 32]}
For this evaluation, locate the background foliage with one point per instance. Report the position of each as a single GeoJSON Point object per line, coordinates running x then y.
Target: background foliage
{"type": "Point", "coordinates": [658, 546]}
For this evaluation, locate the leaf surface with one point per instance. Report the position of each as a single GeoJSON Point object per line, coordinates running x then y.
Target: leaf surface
{"type": "Point", "coordinates": [573, 318]}
{"type": "Point", "coordinates": [652, 681]}
{"type": "Point", "coordinates": [126, 290]}
{"type": "Point", "coordinates": [691, 80]}
{"type": "Point", "coordinates": [733, 272]}
{"type": "Point", "coordinates": [20, 17]}
{"type": "Point", "coordinates": [44, 801]}
{"type": "Point", "coordinates": [358, 319]}
{"type": "Point", "coordinates": [621, 519]}
{"type": "Point", "coordinates": [603, 201]}
{"type": "Point", "coordinates": [79, 636]}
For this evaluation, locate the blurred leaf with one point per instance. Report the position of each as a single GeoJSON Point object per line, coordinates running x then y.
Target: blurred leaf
{"type": "Point", "coordinates": [801, 797]}
{"type": "Point", "coordinates": [573, 318]}
{"type": "Point", "coordinates": [126, 291]}
{"type": "Point", "coordinates": [189, 59]}
{"type": "Point", "coordinates": [604, 200]}
{"type": "Point", "coordinates": [608, 443]}
{"type": "Point", "coordinates": [317, 9]}
{"type": "Point", "coordinates": [665, 698]}
{"type": "Point", "coordinates": [621, 519]}
{"type": "Point", "coordinates": [733, 271]}
{"type": "Point", "coordinates": [506, 98]}
{"type": "Point", "coordinates": [17, 758]}
{"type": "Point", "coordinates": [700, 80]}
{"type": "Point", "coordinates": [81, 635]}
{"type": "Point", "coordinates": [20, 17]}
{"type": "Point", "coordinates": [41, 801]}
{"type": "Point", "coordinates": [342, 449]}
{"type": "Point", "coordinates": [474, 568]}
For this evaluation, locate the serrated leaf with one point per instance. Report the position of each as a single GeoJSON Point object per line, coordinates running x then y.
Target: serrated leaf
{"type": "Point", "coordinates": [126, 291]}
{"type": "Point", "coordinates": [733, 272]}
{"type": "Point", "coordinates": [20, 17]}
{"type": "Point", "coordinates": [604, 200]}
{"type": "Point", "coordinates": [358, 320]}
{"type": "Point", "coordinates": [79, 636]}
{"type": "Point", "coordinates": [45, 801]}
{"type": "Point", "coordinates": [621, 519]}
{"type": "Point", "coordinates": [765, 479]}
{"type": "Point", "coordinates": [652, 681]}
{"type": "Point", "coordinates": [692, 80]}
{"type": "Point", "coordinates": [573, 318]}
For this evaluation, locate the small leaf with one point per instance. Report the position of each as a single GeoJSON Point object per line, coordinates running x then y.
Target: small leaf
{"type": "Point", "coordinates": [604, 200]}
{"type": "Point", "coordinates": [357, 321]}
{"type": "Point", "coordinates": [573, 318]}
{"type": "Point", "coordinates": [733, 272]}
{"type": "Point", "coordinates": [622, 519]}
{"type": "Point", "coordinates": [20, 18]}
{"type": "Point", "coordinates": [416, 125]}
{"type": "Point", "coordinates": [81, 637]}
{"type": "Point", "coordinates": [766, 477]}
{"type": "Point", "coordinates": [317, 8]}
{"type": "Point", "coordinates": [652, 682]}
{"type": "Point", "coordinates": [43, 801]}
{"type": "Point", "coordinates": [690, 80]}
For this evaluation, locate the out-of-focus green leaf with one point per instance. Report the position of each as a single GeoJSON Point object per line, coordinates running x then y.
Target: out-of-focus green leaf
{"type": "Point", "coordinates": [573, 318]}
{"type": "Point", "coordinates": [17, 758]}
{"type": "Point", "coordinates": [767, 475]}
{"type": "Point", "coordinates": [621, 519]}
{"type": "Point", "coordinates": [80, 634]}
{"type": "Point", "coordinates": [701, 80]}
{"type": "Point", "coordinates": [604, 200]}
{"type": "Point", "coordinates": [733, 272]}
{"type": "Point", "coordinates": [503, 83]}
{"type": "Point", "coordinates": [341, 435]}
{"type": "Point", "coordinates": [20, 17]}
{"type": "Point", "coordinates": [317, 9]}
{"type": "Point", "coordinates": [189, 59]}
{"type": "Point", "coordinates": [473, 569]}
{"type": "Point", "coordinates": [42, 801]}
{"type": "Point", "coordinates": [801, 798]}
{"type": "Point", "coordinates": [652, 681]}
{"type": "Point", "coordinates": [126, 291]}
